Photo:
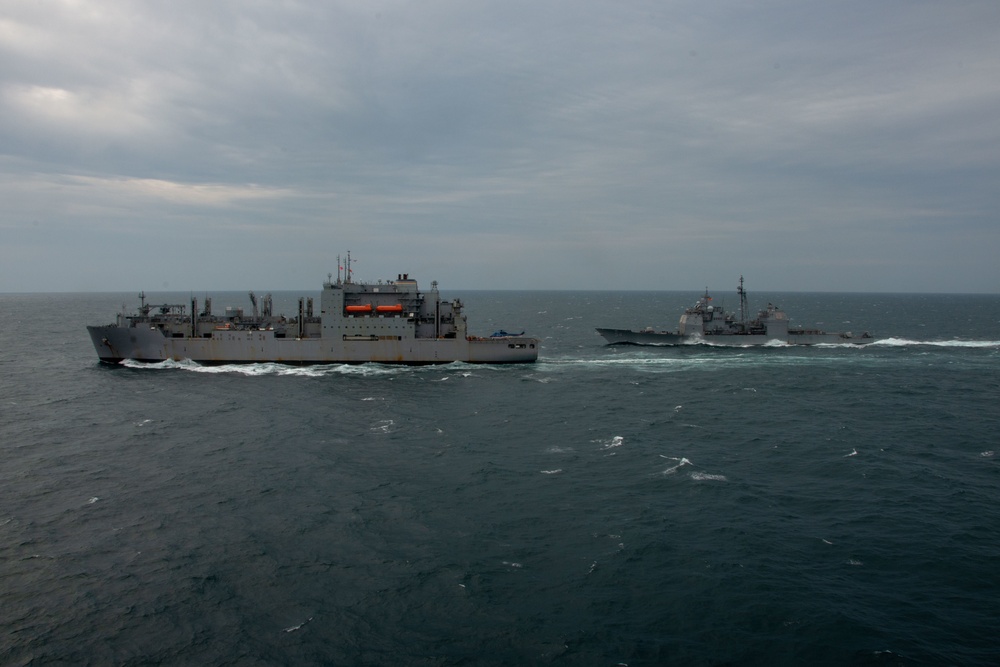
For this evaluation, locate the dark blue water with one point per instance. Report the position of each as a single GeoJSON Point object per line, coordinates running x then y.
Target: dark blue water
{"type": "Point", "coordinates": [608, 505]}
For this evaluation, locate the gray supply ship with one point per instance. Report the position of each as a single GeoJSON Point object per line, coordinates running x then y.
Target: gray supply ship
{"type": "Point", "coordinates": [389, 322]}
{"type": "Point", "coordinates": [704, 323]}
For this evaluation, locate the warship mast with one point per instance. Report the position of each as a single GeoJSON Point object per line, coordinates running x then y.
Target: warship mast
{"type": "Point", "coordinates": [743, 304]}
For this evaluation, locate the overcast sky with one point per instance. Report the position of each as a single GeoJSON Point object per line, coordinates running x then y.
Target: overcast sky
{"type": "Point", "coordinates": [244, 144]}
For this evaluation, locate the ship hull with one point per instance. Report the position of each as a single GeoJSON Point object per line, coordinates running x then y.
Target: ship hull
{"type": "Point", "coordinates": [115, 344]}
{"type": "Point", "coordinates": [667, 338]}
{"type": "Point", "coordinates": [628, 337]}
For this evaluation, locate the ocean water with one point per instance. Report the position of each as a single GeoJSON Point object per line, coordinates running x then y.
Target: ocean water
{"type": "Point", "coordinates": [831, 505]}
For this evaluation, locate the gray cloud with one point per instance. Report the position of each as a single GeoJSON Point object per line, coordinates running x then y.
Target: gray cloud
{"type": "Point", "coordinates": [500, 145]}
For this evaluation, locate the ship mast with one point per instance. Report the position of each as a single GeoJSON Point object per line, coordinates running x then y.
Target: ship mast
{"type": "Point", "coordinates": [743, 302]}
{"type": "Point", "coordinates": [345, 268]}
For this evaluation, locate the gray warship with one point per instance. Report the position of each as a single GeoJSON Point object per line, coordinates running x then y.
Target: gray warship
{"type": "Point", "coordinates": [704, 323]}
{"type": "Point", "coordinates": [390, 322]}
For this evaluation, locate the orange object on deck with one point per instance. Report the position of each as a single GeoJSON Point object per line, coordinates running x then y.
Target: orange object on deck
{"type": "Point", "coordinates": [398, 308]}
{"type": "Point", "coordinates": [366, 308]}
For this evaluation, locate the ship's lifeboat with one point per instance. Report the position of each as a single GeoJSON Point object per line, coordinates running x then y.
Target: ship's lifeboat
{"type": "Point", "coordinates": [366, 308]}
{"type": "Point", "coordinates": [397, 308]}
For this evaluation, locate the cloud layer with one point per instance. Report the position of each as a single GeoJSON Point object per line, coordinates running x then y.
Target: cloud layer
{"type": "Point", "coordinates": [514, 145]}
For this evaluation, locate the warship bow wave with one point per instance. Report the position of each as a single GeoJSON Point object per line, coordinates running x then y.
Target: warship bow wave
{"type": "Point", "coordinates": [388, 322]}
{"type": "Point", "coordinates": [704, 323]}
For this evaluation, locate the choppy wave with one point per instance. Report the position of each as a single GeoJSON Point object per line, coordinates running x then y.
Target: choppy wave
{"type": "Point", "coordinates": [704, 476]}
{"type": "Point", "coordinates": [707, 343]}
{"type": "Point", "coordinates": [697, 475]}
{"type": "Point", "coordinates": [668, 364]}
{"type": "Point", "coordinates": [383, 426]}
{"type": "Point", "coordinates": [906, 342]}
{"type": "Point", "coordinates": [293, 628]}
{"type": "Point", "coordinates": [892, 341]}
{"type": "Point", "coordinates": [656, 360]}
{"type": "Point", "coordinates": [650, 363]}
{"type": "Point", "coordinates": [681, 461]}
{"type": "Point", "coordinates": [616, 441]}
{"type": "Point", "coordinates": [272, 368]}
